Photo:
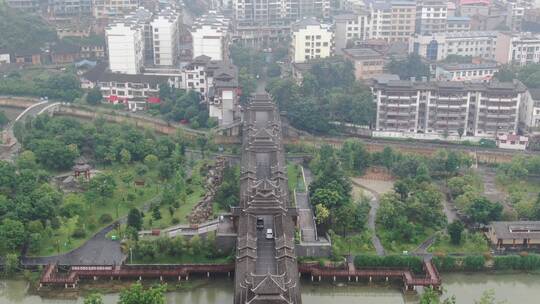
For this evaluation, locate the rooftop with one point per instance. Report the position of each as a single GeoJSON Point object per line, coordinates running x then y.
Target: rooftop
{"type": "Point", "coordinates": [517, 229]}
{"type": "Point", "coordinates": [362, 53]}
{"type": "Point", "coordinates": [469, 66]}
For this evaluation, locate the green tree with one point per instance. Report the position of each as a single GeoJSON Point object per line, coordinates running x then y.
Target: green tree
{"type": "Point", "coordinates": [135, 219]}
{"type": "Point", "coordinates": [136, 294]}
{"type": "Point", "coordinates": [102, 186]}
{"type": "Point", "coordinates": [4, 120]}
{"type": "Point", "coordinates": [11, 263]}
{"type": "Point", "coordinates": [93, 298]}
{"type": "Point", "coordinates": [12, 235]}
{"type": "Point", "coordinates": [321, 213]}
{"type": "Point", "coordinates": [125, 156]}
{"type": "Point", "coordinates": [431, 296]}
{"type": "Point", "coordinates": [482, 211]}
{"type": "Point", "coordinates": [94, 96]}
{"type": "Point", "coordinates": [455, 229]}
{"type": "Point", "coordinates": [412, 67]}
{"type": "Point", "coordinates": [151, 161]}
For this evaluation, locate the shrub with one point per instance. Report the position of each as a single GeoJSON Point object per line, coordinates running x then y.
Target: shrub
{"type": "Point", "coordinates": [446, 263]}
{"type": "Point", "coordinates": [79, 233]}
{"type": "Point", "coordinates": [105, 218]}
{"type": "Point", "coordinates": [474, 263]}
{"type": "Point", "coordinates": [397, 261]}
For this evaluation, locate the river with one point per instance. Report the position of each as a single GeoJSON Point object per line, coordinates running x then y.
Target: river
{"type": "Point", "coordinates": [514, 288]}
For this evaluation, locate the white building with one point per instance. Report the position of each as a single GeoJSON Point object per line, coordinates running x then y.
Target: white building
{"type": "Point", "coordinates": [210, 34]}
{"type": "Point", "coordinates": [5, 57]}
{"type": "Point", "coordinates": [125, 44]}
{"type": "Point", "coordinates": [512, 142]}
{"type": "Point", "coordinates": [112, 8]}
{"type": "Point", "coordinates": [311, 40]}
{"type": "Point", "coordinates": [438, 46]}
{"type": "Point", "coordinates": [277, 12]}
{"type": "Point", "coordinates": [475, 72]}
{"type": "Point", "coordinates": [433, 109]}
{"type": "Point", "coordinates": [349, 27]}
{"type": "Point", "coordinates": [166, 37]}
{"type": "Point", "coordinates": [518, 48]}
{"type": "Point", "coordinates": [431, 16]}
{"type": "Point", "coordinates": [529, 112]}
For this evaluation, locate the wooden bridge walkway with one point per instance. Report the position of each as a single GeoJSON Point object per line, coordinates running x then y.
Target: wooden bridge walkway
{"type": "Point", "coordinates": [51, 275]}
{"type": "Point", "coordinates": [431, 277]}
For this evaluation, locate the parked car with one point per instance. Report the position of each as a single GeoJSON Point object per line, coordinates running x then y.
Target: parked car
{"type": "Point", "coordinates": [260, 223]}
{"type": "Point", "coordinates": [269, 234]}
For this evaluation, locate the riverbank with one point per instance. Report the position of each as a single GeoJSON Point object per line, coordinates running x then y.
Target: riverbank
{"type": "Point", "coordinates": [520, 288]}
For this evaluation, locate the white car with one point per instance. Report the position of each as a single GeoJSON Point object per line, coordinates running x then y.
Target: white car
{"type": "Point", "coordinates": [269, 234]}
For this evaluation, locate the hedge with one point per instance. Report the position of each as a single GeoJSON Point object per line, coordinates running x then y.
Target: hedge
{"type": "Point", "coordinates": [517, 262]}
{"type": "Point", "coordinates": [402, 261]}
{"type": "Point", "coordinates": [477, 262]}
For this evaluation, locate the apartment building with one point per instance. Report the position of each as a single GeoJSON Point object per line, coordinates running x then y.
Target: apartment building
{"type": "Point", "coordinates": [277, 12]}
{"type": "Point", "coordinates": [392, 20]}
{"type": "Point", "coordinates": [210, 36]}
{"type": "Point", "coordinates": [458, 24]}
{"type": "Point", "coordinates": [69, 8]}
{"type": "Point", "coordinates": [311, 39]}
{"type": "Point", "coordinates": [367, 62]}
{"type": "Point", "coordinates": [431, 16]}
{"type": "Point", "coordinates": [448, 108]}
{"type": "Point", "coordinates": [165, 30]}
{"type": "Point", "coordinates": [347, 27]}
{"type": "Point", "coordinates": [518, 48]}
{"type": "Point", "coordinates": [126, 47]}
{"type": "Point", "coordinates": [474, 72]}
{"type": "Point", "coordinates": [438, 46]}
{"type": "Point", "coordinates": [529, 112]}
{"type": "Point", "coordinates": [29, 6]}
{"type": "Point", "coordinates": [113, 8]}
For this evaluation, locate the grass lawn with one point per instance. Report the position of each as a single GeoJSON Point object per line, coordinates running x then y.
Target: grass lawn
{"type": "Point", "coordinates": [116, 206]}
{"type": "Point", "coordinates": [198, 191]}
{"type": "Point", "coordinates": [184, 259]}
{"type": "Point", "coordinates": [471, 243]}
{"type": "Point", "coordinates": [398, 246]}
{"type": "Point", "coordinates": [522, 194]}
{"type": "Point", "coordinates": [359, 243]}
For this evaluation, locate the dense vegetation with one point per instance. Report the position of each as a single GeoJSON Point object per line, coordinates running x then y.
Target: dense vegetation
{"type": "Point", "coordinates": [525, 261]}
{"type": "Point", "coordinates": [327, 94]}
{"type": "Point", "coordinates": [528, 74]}
{"type": "Point", "coordinates": [63, 86]}
{"type": "Point", "coordinates": [21, 31]}
{"type": "Point", "coordinates": [135, 294]}
{"type": "Point", "coordinates": [184, 106]}
{"type": "Point", "coordinates": [34, 212]}
{"type": "Point", "coordinates": [411, 68]}
{"type": "Point", "coordinates": [228, 192]}
{"type": "Point", "coordinates": [330, 193]}
{"type": "Point", "coordinates": [396, 261]}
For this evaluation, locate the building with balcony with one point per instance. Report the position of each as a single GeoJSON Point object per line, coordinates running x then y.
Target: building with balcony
{"type": "Point", "coordinates": [431, 16]}
{"type": "Point", "coordinates": [392, 20]}
{"type": "Point", "coordinates": [518, 48]}
{"type": "Point", "coordinates": [448, 108]}
{"type": "Point", "coordinates": [165, 31]}
{"type": "Point", "coordinates": [113, 8]}
{"type": "Point", "coordinates": [529, 112]}
{"type": "Point", "coordinates": [348, 27]}
{"type": "Point", "coordinates": [210, 36]}
{"type": "Point", "coordinates": [311, 39]}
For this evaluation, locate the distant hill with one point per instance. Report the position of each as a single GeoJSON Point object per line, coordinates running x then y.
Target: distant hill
{"type": "Point", "coordinates": [22, 31]}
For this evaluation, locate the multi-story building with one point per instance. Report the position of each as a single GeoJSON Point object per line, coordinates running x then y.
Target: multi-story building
{"type": "Point", "coordinates": [367, 62]}
{"type": "Point", "coordinates": [311, 39]}
{"type": "Point", "coordinates": [518, 48]}
{"type": "Point", "coordinates": [458, 24]}
{"type": "Point", "coordinates": [30, 6]}
{"type": "Point", "coordinates": [529, 112]}
{"type": "Point", "coordinates": [349, 27]}
{"type": "Point", "coordinates": [277, 12]}
{"type": "Point", "coordinates": [125, 44]}
{"type": "Point", "coordinates": [448, 108]}
{"type": "Point", "coordinates": [515, 16]}
{"type": "Point", "coordinates": [475, 72]}
{"type": "Point", "coordinates": [5, 57]}
{"type": "Point", "coordinates": [431, 16]}
{"type": "Point", "coordinates": [165, 37]}
{"type": "Point", "coordinates": [210, 36]}
{"type": "Point", "coordinates": [113, 8]}
{"type": "Point", "coordinates": [438, 46]}
{"type": "Point", "coordinates": [69, 8]}
{"type": "Point", "coordinates": [393, 20]}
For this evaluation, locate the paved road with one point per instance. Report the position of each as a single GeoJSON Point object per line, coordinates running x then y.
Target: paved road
{"type": "Point", "coordinates": [305, 212]}
{"type": "Point", "coordinates": [96, 251]}
{"type": "Point", "coordinates": [374, 202]}
{"type": "Point", "coordinates": [266, 249]}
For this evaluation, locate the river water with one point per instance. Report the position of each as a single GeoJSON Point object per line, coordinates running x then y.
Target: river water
{"type": "Point", "coordinates": [514, 288]}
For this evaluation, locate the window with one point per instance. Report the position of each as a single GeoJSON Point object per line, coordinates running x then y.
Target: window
{"type": "Point", "coordinates": [190, 76]}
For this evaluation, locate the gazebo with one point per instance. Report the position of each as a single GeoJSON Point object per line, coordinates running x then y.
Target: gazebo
{"type": "Point", "coordinates": [81, 167]}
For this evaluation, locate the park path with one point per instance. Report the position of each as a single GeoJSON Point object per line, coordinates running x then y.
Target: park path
{"type": "Point", "coordinates": [305, 213]}
{"type": "Point", "coordinates": [373, 189]}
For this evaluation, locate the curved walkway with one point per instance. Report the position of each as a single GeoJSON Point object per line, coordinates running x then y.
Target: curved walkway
{"type": "Point", "coordinates": [374, 202]}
